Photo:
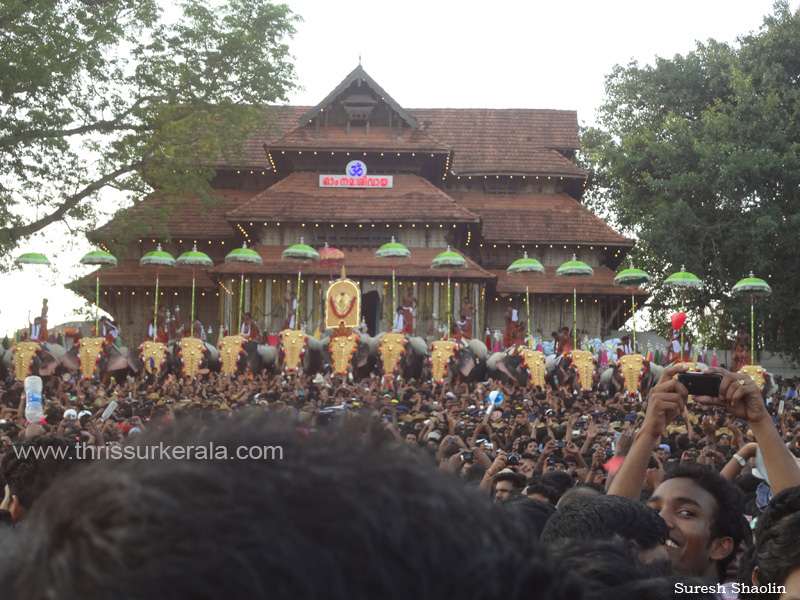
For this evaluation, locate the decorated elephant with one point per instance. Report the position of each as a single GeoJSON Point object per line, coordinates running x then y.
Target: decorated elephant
{"type": "Point", "coordinates": [403, 356]}
{"type": "Point", "coordinates": [95, 358]}
{"type": "Point", "coordinates": [295, 350]}
{"type": "Point", "coordinates": [575, 371]}
{"type": "Point", "coordinates": [192, 356]}
{"type": "Point", "coordinates": [236, 355]}
{"type": "Point", "coordinates": [459, 362]}
{"type": "Point", "coordinates": [632, 375]}
{"type": "Point", "coordinates": [366, 359]}
{"type": "Point", "coordinates": [33, 358]}
{"type": "Point", "coordinates": [506, 367]}
{"type": "Point", "coordinates": [762, 378]}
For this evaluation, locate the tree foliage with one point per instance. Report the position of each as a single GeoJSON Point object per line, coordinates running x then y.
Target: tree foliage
{"type": "Point", "coordinates": [128, 95]}
{"type": "Point", "coordinates": [698, 156]}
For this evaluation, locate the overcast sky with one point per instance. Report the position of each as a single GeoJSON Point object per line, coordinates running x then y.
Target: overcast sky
{"type": "Point", "coordinates": [464, 54]}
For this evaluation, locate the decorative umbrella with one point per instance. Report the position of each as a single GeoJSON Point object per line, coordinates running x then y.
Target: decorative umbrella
{"type": "Point", "coordinates": [194, 259]}
{"type": "Point", "coordinates": [159, 258]}
{"type": "Point", "coordinates": [243, 255]}
{"type": "Point", "coordinates": [31, 258]}
{"type": "Point", "coordinates": [755, 287]}
{"type": "Point", "coordinates": [574, 268]}
{"type": "Point", "coordinates": [300, 252]}
{"type": "Point", "coordinates": [330, 257]}
{"type": "Point", "coordinates": [527, 266]}
{"type": "Point", "coordinates": [683, 279]}
{"type": "Point", "coordinates": [448, 260]}
{"type": "Point", "coordinates": [393, 250]}
{"type": "Point", "coordinates": [98, 258]}
{"type": "Point", "coordinates": [629, 278]}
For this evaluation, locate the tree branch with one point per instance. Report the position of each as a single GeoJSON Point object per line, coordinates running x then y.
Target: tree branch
{"type": "Point", "coordinates": [21, 231]}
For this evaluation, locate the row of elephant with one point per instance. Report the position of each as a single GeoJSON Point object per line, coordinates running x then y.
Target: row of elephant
{"type": "Point", "coordinates": [468, 362]}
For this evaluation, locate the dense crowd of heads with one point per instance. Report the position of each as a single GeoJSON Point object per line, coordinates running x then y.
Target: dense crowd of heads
{"type": "Point", "coordinates": [396, 490]}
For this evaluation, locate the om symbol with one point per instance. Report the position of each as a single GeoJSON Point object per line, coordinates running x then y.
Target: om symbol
{"type": "Point", "coordinates": [356, 168]}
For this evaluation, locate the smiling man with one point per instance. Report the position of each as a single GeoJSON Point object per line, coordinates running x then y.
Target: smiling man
{"type": "Point", "coordinates": [702, 510]}
{"type": "Point", "coordinates": [703, 513]}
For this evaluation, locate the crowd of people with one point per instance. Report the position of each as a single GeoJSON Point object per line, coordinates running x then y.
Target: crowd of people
{"type": "Point", "coordinates": [400, 489]}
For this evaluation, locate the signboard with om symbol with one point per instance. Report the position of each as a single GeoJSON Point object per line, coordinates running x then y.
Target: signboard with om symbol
{"type": "Point", "coordinates": [356, 168]}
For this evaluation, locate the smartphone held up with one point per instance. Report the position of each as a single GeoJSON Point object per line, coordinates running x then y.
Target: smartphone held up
{"type": "Point", "coordinates": [699, 384]}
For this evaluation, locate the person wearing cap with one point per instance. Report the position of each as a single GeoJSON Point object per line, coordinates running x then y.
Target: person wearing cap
{"type": "Point", "coordinates": [663, 452]}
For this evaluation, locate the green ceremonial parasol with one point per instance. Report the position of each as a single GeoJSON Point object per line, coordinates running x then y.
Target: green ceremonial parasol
{"type": "Point", "coordinates": [574, 268]}
{"type": "Point", "coordinates": [527, 266]}
{"type": "Point", "coordinates": [32, 258]}
{"type": "Point", "coordinates": [302, 253]}
{"type": "Point", "coordinates": [683, 279]}
{"type": "Point", "coordinates": [98, 258]}
{"type": "Point", "coordinates": [755, 287]}
{"type": "Point", "coordinates": [629, 278]}
{"type": "Point", "coordinates": [393, 250]}
{"type": "Point", "coordinates": [448, 260]}
{"type": "Point", "coordinates": [159, 258]}
{"type": "Point", "coordinates": [194, 259]}
{"type": "Point", "coordinates": [243, 255]}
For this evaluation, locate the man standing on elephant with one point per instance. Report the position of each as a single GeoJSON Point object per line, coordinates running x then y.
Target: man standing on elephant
{"type": "Point", "coordinates": [467, 311]}
{"type": "Point", "coordinates": [741, 350]}
{"type": "Point", "coordinates": [250, 329]}
{"type": "Point", "coordinates": [511, 318]}
{"type": "Point", "coordinates": [161, 336]}
{"type": "Point", "coordinates": [108, 330]}
{"type": "Point", "coordinates": [564, 341]}
{"type": "Point", "coordinates": [43, 320]}
{"type": "Point", "coordinates": [409, 302]}
{"type": "Point", "coordinates": [36, 332]}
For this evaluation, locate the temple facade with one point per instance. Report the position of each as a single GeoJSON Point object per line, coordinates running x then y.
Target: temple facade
{"type": "Point", "coordinates": [357, 170]}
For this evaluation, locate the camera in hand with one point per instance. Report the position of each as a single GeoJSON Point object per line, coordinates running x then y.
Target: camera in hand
{"type": "Point", "coordinates": [513, 460]}
{"type": "Point", "coordinates": [698, 384]}
{"type": "Point", "coordinates": [468, 455]}
{"type": "Point", "coordinates": [561, 444]}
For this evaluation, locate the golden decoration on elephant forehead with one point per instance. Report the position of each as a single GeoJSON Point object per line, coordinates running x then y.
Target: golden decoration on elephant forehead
{"type": "Point", "coordinates": [584, 363]}
{"type": "Point", "coordinates": [230, 347]}
{"type": "Point", "coordinates": [630, 366]}
{"type": "Point", "coordinates": [342, 349]}
{"type": "Point", "coordinates": [89, 350]}
{"type": "Point", "coordinates": [293, 342]}
{"type": "Point", "coordinates": [755, 372]}
{"type": "Point", "coordinates": [192, 352]}
{"type": "Point", "coordinates": [392, 345]}
{"type": "Point", "coordinates": [155, 350]}
{"type": "Point", "coordinates": [534, 360]}
{"type": "Point", "coordinates": [441, 353]}
{"type": "Point", "coordinates": [23, 355]}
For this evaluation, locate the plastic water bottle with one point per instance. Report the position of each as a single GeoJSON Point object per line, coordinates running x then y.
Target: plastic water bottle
{"type": "Point", "coordinates": [33, 399]}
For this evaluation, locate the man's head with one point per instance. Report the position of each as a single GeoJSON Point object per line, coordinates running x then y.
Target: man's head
{"type": "Point", "coordinates": [663, 452]}
{"type": "Point", "coordinates": [703, 513]}
{"type": "Point", "coordinates": [603, 517]}
{"type": "Point", "coordinates": [527, 464]}
{"type": "Point", "coordinates": [126, 528]}
{"type": "Point", "coordinates": [506, 483]}
{"type": "Point", "coordinates": [30, 468]}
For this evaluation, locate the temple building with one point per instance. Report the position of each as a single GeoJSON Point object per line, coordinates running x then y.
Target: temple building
{"type": "Point", "coordinates": [358, 169]}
